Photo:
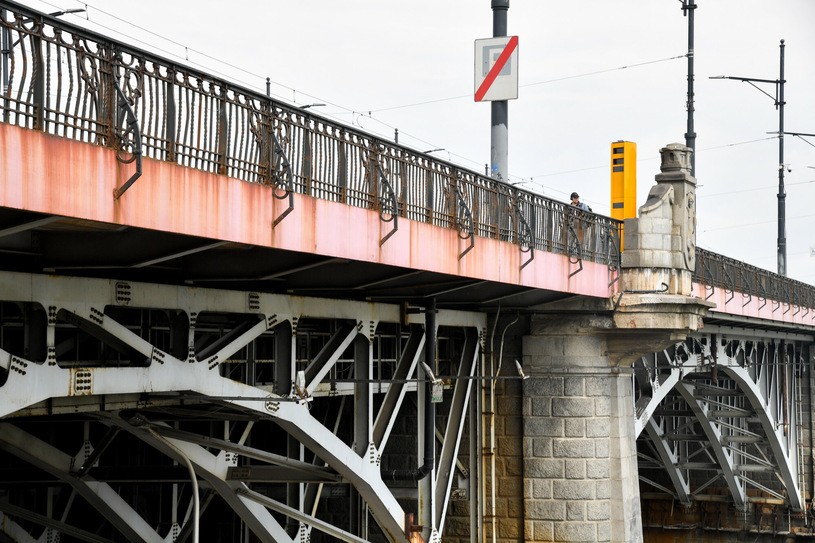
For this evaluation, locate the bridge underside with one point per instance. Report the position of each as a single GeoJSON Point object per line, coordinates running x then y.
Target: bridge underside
{"type": "Point", "coordinates": [721, 419]}
{"type": "Point", "coordinates": [38, 243]}
{"type": "Point", "coordinates": [112, 389]}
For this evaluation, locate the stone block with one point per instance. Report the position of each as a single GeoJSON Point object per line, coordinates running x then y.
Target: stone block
{"type": "Point", "coordinates": [662, 225]}
{"type": "Point", "coordinates": [544, 531]}
{"type": "Point", "coordinates": [510, 447]}
{"type": "Point", "coordinates": [573, 490]}
{"type": "Point", "coordinates": [676, 243]}
{"type": "Point", "coordinates": [510, 487]}
{"type": "Point", "coordinates": [508, 406]}
{"type": "Point", "coordinates": [575, 427]}
{"type": "Point", "coordinates": [509, 528]}
{"type": "Point", "coordinates": [575, 469]}
{"type": "Point", "coordinates": [526, 406]}
{"type": "Point", "coordinates": [542, 447]}
{"type": "Point", "coordinates": [598, 510]}
{"type": "Point", "coordinates": [654, 259]}
{"type": "Point", "coordinates": [576, 510]}
{"type": "Point", "coordinates": [603, 489]}
{"type": "Point", "coordinates": [585, 346]}
{"type": "Point", "coordinates": [536, 346]}
{"type": "Point", "coordinates": [542, 489]}
{"type": "Point", "coordinates": [574, 386]}
{"type": "Point", "coordinates": [597, 469]}
{"type": "Point", "coordinates": [546, 510]}
{"type": "Point", "coordinates": [573, 448]}
{"type": "Point", "coordinates": [573, 407]}
{"type": "Point", "coordinates": [513, 426]}
{"type": "Point", "coordinates": [597, 386]}
{"type": "Point", "coordinates": [602, 407]}
{"type": "Point", "coordinates": [543, 426]}
{"type": "Point", "coordinates": [544, 468]}
{"type": "Point", "coordinates": [515, 507]}
{"type": "Point", "coordinates": [500, 507]}
{"type": "Point", "coordinates": [544, 386]}
{"type": "Point", "coordinates": [541, 406]}
{"type": "Point", "coordinates": [601, 447]}
{"type": "Point", "coordinates": [597, 428]}
{"type": "Point", "coordinates": [575, 531]}
{"type": "Point", "coordinates": [513, 466]}
{"type": "Point", "coordinates": [655, 242]}
{"type": "Point", "coordinates": [603, 531]}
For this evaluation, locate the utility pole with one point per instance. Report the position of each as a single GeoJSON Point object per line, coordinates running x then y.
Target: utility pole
{"type": "Point", "coordinates": [782, 194]}
{"type": "Point", "coordinates": [499, 133]}
{"type": "Point", "coordinates": [688, 9]}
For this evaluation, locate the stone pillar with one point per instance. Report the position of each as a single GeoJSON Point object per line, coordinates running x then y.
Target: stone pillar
{"type": "Point", "coordinates": [660, 245]}
{"type": "Point", "coordinates": [580, 464]}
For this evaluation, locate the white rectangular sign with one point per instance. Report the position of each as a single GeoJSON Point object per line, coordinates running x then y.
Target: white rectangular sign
{"type": "Point", "coordinates": [496, 69]}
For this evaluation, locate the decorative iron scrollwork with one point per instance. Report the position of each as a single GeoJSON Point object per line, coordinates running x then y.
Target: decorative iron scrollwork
{"type": "Point", "coordinates": [281, 178]}
{"type": "Point", "coordinates": [388, 206]}
{"type": "Point", "coordinates": [128, 139]}
{"type": "Point", "coordinates": [464, 219]}
{"type": "Point", "coordinates": [526, 236]}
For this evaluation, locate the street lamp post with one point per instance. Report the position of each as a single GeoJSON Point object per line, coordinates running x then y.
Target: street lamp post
{"type": "Point", "coordinates": [688, 9]}
{"type": "Point", "coordinates": [499, 130]}
{"type": "Point", "coordinates": [782, 195]}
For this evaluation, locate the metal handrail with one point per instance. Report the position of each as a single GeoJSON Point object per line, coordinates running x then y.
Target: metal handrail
{"type": "Point", "coordinates": [62, 81]}
{"type": "Point", "coordinates": [715, 270]}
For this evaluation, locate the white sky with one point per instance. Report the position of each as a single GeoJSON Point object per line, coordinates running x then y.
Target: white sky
{"type": "Point", "coordinates": [408, 64]}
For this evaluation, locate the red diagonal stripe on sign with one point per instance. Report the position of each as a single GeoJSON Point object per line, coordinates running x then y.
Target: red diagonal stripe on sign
{"type": "Point", "coordinates": [496, 68]}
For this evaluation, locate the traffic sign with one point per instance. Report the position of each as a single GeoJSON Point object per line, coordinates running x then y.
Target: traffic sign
{"type": "Point", "coordinates": [496, 69]}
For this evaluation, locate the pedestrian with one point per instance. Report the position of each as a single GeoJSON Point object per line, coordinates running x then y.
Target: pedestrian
{"type": "Point", "coordinates": [578, 204]}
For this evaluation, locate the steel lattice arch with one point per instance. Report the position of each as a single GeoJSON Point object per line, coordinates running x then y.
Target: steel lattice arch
{"type": "Point", "coordinates": [719, 415]}
{"type": "Point", "coordinates": [140, 381]}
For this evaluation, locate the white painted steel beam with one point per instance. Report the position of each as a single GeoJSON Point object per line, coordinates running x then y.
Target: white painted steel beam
{"type": "Point", "coordinates": [397, 390]}
{"type": "Point", "coordinates": [312, 521]}
{"type": "Point", "coordinates": [214, 469]}
{"type": "Point", "coordinates": [783, 447]}
{"type": "Point", "coordinates": [669, 460]}
{"type": "Point", "coordinates": [165, 378]}
{"type": "Point", "coordinates": [19, 535]}
{"type": "Point", "coordinates": [714, 436]}
{"type": "Point", "coordinates": [100, 495]}
{"type": "Point", "coordinates": [455, 426]}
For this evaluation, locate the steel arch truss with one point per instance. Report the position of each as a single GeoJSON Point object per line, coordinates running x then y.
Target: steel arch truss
{"type": "Point", "coordinates": [278, 403]}
{"type": "Point", "coordinates": [717, 417]}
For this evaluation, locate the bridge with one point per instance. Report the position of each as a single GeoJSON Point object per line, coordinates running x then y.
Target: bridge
{"type": "Point", "coordinates": [226, 318]}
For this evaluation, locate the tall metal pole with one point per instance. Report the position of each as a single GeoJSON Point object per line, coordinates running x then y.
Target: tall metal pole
{"type": "Point", "coordinates": [499, 135]}
{"type": "Point", "coordinates": [5, 46]}
{"type": "Point", "coordinates": [782, 195]}
{"type": "Point", "coordinates": [689, 8]}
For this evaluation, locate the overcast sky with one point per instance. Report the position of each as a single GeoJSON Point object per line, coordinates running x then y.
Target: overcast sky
{"type": "Point", "coordinates": [591, 72]}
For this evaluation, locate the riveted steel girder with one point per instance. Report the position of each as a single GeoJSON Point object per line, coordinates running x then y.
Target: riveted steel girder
{"type": "Point", "coordinates": [731, 407]}
{"type": "Point", "coordinates": [210, 378]}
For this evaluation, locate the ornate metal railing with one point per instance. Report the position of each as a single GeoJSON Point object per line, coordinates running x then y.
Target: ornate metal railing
{"type": "Point", "coordinates": [73, 83]}
{"type": "Point", "coordinates": [736, 277]}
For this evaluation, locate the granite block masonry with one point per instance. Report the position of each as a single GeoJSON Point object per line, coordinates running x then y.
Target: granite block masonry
{"type": "Point", "coordinates": [580, 464]}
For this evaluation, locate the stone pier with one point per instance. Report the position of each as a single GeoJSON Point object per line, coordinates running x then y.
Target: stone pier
{"type": "Point", "coordinates": [579, 447]}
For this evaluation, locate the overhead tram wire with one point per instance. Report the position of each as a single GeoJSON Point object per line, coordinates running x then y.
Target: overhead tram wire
{"type": "Point", "coordinates": [576, 76]}
{"type": "Point", "coordinates": [755, 223]}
